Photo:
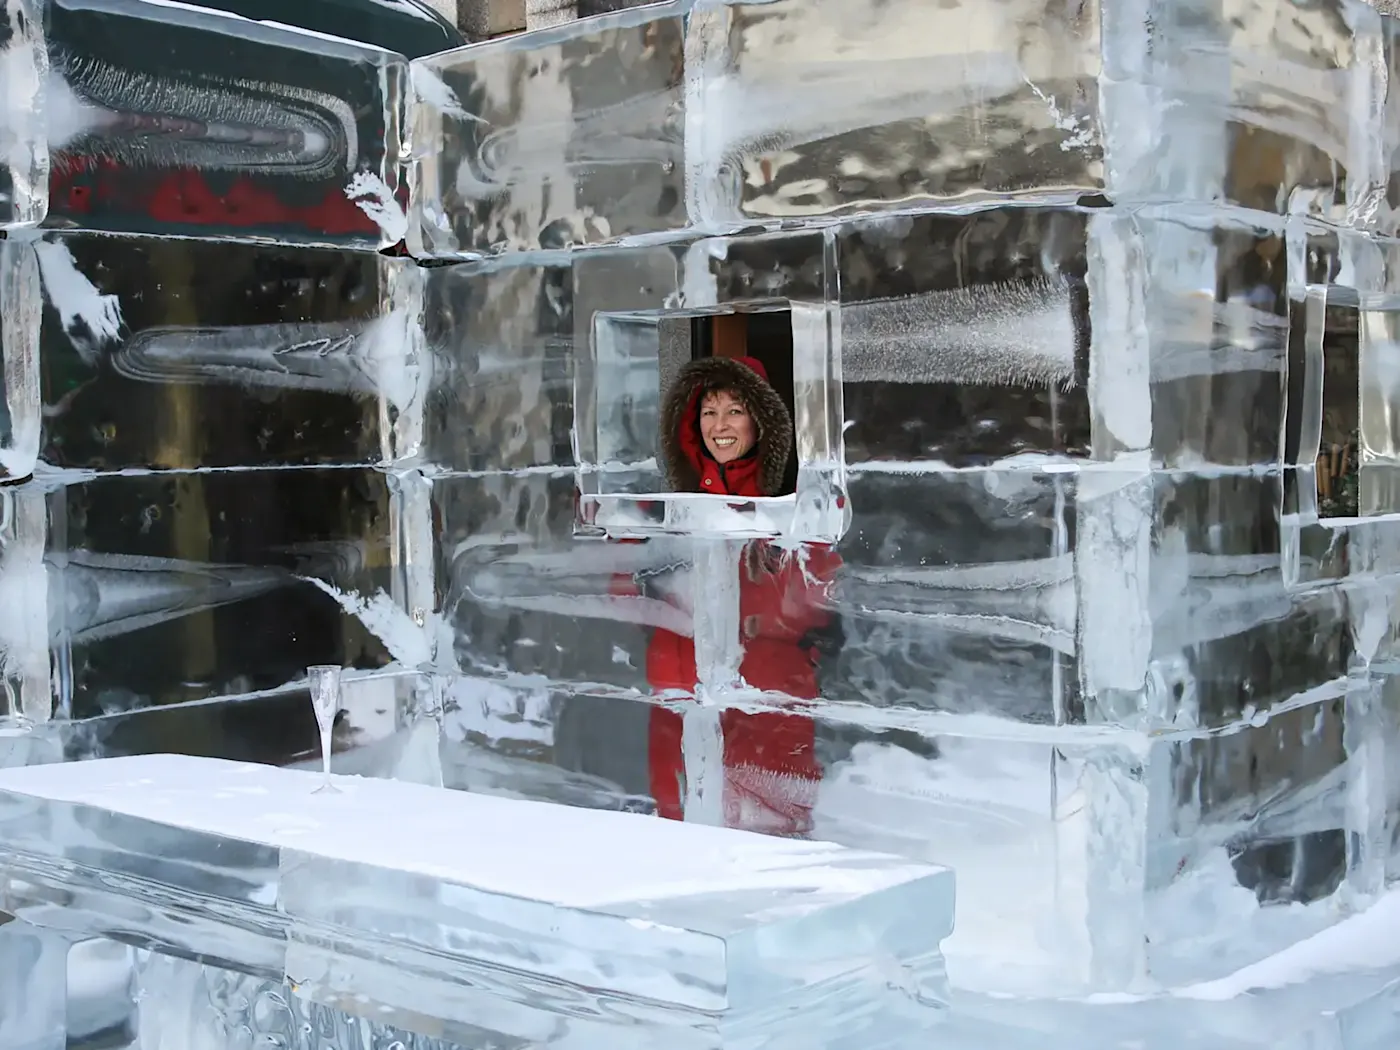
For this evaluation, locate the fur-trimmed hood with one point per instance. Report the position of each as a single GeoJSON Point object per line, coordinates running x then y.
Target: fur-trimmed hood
{"type": "Point", "coordinates": [681, 445]}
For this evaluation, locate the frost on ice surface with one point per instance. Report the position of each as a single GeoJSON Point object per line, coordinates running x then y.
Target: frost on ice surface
{"type": "Point", "coordinates": [376, 200]}
{"type": "Point", "coordinates": [407, 642]}
{"type": "Point", "coordinates": [941, 336]}
{"type": "Point", "coordinates": [89, 318]}
{"type": "Point", "coordinates": [964, 361]}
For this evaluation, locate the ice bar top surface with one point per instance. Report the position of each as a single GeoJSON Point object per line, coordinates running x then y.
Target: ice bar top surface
{"type": "Point", "coordinates": [566, 857]}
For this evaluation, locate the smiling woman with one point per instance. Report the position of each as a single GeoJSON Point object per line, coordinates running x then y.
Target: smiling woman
{"type": "Point", "coordinates": [725, 431]}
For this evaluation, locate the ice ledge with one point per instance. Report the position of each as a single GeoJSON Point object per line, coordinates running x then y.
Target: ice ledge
{"type": "Point", "coordinates": [696, 918]}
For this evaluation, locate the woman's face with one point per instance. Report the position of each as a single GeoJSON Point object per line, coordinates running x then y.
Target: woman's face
{"type": "Point", "coordinates": [726, 426]}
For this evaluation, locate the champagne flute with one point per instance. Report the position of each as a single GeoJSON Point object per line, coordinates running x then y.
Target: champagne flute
{"type": "Point", "coordinates": [325, 700]}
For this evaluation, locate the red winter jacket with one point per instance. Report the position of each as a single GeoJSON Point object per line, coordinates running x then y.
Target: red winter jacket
{"type": "Point", "coordinates": [771, 770]}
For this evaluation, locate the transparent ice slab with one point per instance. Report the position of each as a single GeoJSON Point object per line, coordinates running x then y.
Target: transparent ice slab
{"type": "Point", "coordinates": [285, 356]}
{"type": "Point", "coordinates": [187, 1002]}
{"type": "Point", "coordinates": [164, 588]}
{"type": "Point", "coordinates": [1186, 614]}
{"type": "Point", "coordinates": [968, 356]}
{"type": "Point", "coordinates": [33, 999]}
{"type": "Point", "coordinates": [1340, 442]}
{"type": "Point", "coordinates": [1255, 105]}
{"type": "Point", "coordinates": [562, 137]}
{"type": "Point", "coordinates": [25, 698]}
{"type": "Point", "coordinates": [957, 594]}
{"type": "Point", "coordinates": [701, 922]}
{"type": "Point", "coordinates": [21, 306]}
{"type": "Point", "coordinates": [728, 119]}
{"type": "Point", "coordinates": [501, 345]}
{"type": "Point", "coordinates": [536, 743]}
{"type": "Point", "coordinates": [620, 753]}
{"type": "Point", "coordinates": [24, 145]}
{"type": "Point", "coordinates": [1338, 503]}
{"type": "Point", "coordinates": [1213, 305]}
{"type": "Point", "coordinates": [225, 128]}
{"type": "Point", "coordinates": [522, 596]}
{"type": "Point", "coordinates": [798, 110]}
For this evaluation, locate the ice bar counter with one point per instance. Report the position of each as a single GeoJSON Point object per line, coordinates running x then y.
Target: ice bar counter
{"type": "Point", "coordinates": [451, 913]}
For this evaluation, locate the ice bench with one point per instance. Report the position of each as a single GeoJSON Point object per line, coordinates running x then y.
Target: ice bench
{"type": "Point", "coordinates": [398, 899]}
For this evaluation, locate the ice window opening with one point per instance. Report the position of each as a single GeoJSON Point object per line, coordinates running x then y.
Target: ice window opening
{"type": "Point", "coordinates": [718, 422]}
{"type": "Point", "coordinates": [1334, 346]}
{"type": "Point", "coordinates": [1342, 426]}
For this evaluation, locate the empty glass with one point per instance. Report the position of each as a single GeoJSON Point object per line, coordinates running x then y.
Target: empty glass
{"type": "Point", "coordinates": [325, 700]}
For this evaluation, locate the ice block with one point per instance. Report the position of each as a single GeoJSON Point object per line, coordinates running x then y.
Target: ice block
{"type": "Point", "coordinates": [24, 143]}
{"type": "Point", "coordinates": [567, 136]}
{"type": "Point", "coordinates": [186, 1003]}
{"type": "Point", "coordinates": [25, 697]}
{"type": "Point", "coordinates": [287, 356]}
{"type": "Point", "coordinates": [34, 992]}
{"type": "Point", "coordinates": [519, 592]}
{"type": "Point", "coordinates": [21, 306]}
{"type": "Point", "coordinates": [799, 110]}
{"type": "Point", "coordinates": [640, 313]}
{"type": "Point", "coordinates": [965, 361]}
{"type": "Point", "coordinates": [247, 867]}
{"type": "Point", "coordinates": [167, 118]}
{"type": "Point", "coordinates": [173, 587]}
{"type": "Point", "coordinates": [500, 341]}
{"type": "Point", "coordinates": [1282, 114]}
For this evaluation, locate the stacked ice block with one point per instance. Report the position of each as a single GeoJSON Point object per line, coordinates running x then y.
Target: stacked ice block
{"type": "Point", "coordinates": [1092, 309]}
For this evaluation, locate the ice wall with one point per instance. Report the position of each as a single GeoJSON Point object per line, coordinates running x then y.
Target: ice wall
{"type": "Point", "coordinates": [1092, 312]}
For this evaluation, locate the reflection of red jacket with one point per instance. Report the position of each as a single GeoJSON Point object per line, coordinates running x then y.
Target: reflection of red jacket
{"type": "Point", "coordinates": [771, 770]}
{"type": "Point", "coordinates": [782, 596]}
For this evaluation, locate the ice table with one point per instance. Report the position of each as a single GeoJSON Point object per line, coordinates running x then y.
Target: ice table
{"type": "Point", "coordinates": [410, 902]}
